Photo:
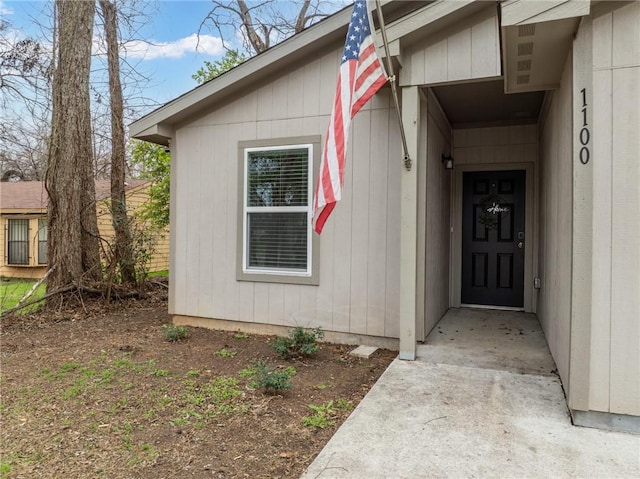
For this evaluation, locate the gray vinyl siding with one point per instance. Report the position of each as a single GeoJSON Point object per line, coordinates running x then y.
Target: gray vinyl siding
{"type": "Point", "coordinates": [555, 216]}
{"type": "Point", "coordinates": [468, 50]}
{"type": "Point", "coordinates": [614, 384]}
{"type": "Point", "coordinates": [359, 256]}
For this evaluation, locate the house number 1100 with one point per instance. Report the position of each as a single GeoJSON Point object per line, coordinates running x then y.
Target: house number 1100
{"type": "Point", "coordinates": [585, 135]}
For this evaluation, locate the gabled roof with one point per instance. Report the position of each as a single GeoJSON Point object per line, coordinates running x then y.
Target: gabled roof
{"type": "Point", "coordinates": [31, 195]}
{"type": "Point", "coordinates": [157, 126]}
{"type": "Point", "coordinates": [409, 21]}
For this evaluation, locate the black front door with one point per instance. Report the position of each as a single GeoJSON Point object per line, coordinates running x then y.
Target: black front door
{"type": "Point", "coordinates": [493, 238]}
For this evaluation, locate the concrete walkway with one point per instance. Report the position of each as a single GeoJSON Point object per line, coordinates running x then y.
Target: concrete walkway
{"type": "Point", "coordinates": [482, 400]}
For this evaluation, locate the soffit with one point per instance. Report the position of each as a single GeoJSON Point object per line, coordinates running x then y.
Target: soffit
{"type": "Point", "coordinates": [485, 103]}
{"type": "Point", "coordinates": [536, 39]}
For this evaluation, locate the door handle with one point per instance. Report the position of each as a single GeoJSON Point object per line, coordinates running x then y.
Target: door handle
{"type": "Point", "coordinates": [520, 245]}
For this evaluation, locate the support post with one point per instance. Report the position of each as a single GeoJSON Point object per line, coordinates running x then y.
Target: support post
{"type": "Point", "coordinates": [409, 226]}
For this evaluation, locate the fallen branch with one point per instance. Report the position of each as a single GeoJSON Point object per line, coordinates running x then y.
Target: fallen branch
{"type": "Point", "coordinates": [95, 290]}
{"type": "Point", "coordinates": [64, 289]}
{"type": "Point", "coordinates": [35, 286]}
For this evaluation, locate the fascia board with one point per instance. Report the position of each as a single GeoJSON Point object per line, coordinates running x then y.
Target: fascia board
{"type": "Point", "coordinates": [523, 12]}
{"type": "Point", "coordinates": [426, 15]}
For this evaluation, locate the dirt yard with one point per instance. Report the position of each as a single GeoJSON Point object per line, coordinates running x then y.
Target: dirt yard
{"type": "Point", "coordinates": [100, 394]}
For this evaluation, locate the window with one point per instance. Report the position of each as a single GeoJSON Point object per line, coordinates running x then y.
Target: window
{"type": "Point", "coordinates": [277, 196]}
{"type": "Point", "coordinates": [43, 234]}
{"type": "Point", "coordinates": [18, 242]}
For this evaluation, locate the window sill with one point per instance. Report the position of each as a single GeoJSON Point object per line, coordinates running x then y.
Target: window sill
{"type": "Point", "coordinates": [9, 265]}
{"type": "Point", "coordinates": [277, 278]}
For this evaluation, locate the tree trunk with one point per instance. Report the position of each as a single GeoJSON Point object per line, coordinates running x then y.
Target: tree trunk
{"type": "Point", "coordinates": [123, 248]}
{"type": "Point", "coordinates": [73, 228]}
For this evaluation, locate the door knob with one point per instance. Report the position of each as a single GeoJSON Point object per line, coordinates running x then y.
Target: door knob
{"type": "Point", "coordinates": [520, 245]}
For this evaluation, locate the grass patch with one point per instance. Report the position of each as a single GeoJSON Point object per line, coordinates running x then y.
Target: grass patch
{"type": "Point", "coordinates": [225, 353]}
{"type": "Point", "coordinates": [13, 290]}
{"type": "Point", "coordinates": [325, 415]}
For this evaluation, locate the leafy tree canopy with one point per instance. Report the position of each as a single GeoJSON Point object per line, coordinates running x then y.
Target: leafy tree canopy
{"type": "Point", "coordinates": [153, 163]}
{"type": "Point", "coordinates": [210, 70]}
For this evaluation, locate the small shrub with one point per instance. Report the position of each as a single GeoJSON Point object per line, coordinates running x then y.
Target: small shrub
{"type": "Point", "coordinates": [298, 343]}
{"type": "Point", "coordinates": [171, 332]}
{"type": "Point", "coordinates": [268, 378]}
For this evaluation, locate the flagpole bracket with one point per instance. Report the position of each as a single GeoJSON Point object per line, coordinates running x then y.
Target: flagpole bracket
{"type": "Point", "coordinates": [407, 162]}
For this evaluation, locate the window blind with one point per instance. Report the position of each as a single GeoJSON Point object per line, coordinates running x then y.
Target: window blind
{"type": "Point", "coordinates": [277, 206]}
{"type": "Point", "coordinates": [18, 242]}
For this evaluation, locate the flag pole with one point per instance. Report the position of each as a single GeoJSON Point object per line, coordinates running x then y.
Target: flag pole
{"type": "Point", "coordinates": [394, 89]}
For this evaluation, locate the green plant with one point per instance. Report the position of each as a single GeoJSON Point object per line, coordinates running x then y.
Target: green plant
{"type": "Point", "coordinates": [248, 372]}
{"type": "Point", "coordinates": [269, 379]}
{"type": "Point", "coordinates": [225, 353]}
{"type": "Point", "coordinates": [5, 468]}
{"type": "Point", "coordinates": [298, 343]}
{"type": "Point", "coordinates": [344, 404]}
{"type": "Point", "coordinates": [321, 417]}
{"type": "Point", "coordinates": [240, 335]}
{"type": "Point", "coordinates": [160, 372]}
{"type": "Point", "coordinates": [171, 332]}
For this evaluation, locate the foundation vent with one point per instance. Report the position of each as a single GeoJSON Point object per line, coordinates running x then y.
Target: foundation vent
{"type": "Point", "coordinates": [524, 65]}
{"type": "Point", "coordinates": [525, 48]}
{"type": "Point", "coordinates": [527, 30]}
{"type": "Point", "coordinates": [522, 79]}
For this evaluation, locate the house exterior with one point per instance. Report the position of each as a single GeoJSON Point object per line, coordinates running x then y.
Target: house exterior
{"type": "Point", "coordinates": [535, 102]}
{"type": "Point", "coordinates": [23, 228]}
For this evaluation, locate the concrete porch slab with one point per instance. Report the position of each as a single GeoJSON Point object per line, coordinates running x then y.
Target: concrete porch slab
{"type": "Point", "coordinates": [465, 409]}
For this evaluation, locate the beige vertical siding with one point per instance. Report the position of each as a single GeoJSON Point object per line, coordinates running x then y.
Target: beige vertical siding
{"type": "Point", "coordinates": [468, 50]}
{"type": "Point", "coordinates": [358, 291]}
{"type": "Point", "coordinates": [555, 209]}
{"type": "Point", "coordinates": [437, 214]}
{"type": "Point", "coordinates": [615, 334]}
{"type": "Point", "coordinates": [500, 144]}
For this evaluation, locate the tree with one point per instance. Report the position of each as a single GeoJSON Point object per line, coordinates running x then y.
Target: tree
{"type": "Point", "coordinates": [231, 58]}
{"type": "Point", "coordinates": [73, 248]}
{"type": "Point", "coordinates": [25, 99]}
{"type": "Point", "coordinates": [123, 249]}
{"type": "Point", "coordinates": [24, 68]}
{"type": "Point", "coordinates": [266, 22]}
{"type": "Point", "coordinates": [153, 163]}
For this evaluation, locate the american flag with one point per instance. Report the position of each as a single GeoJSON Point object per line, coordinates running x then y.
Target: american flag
{"type": "Point", "coordinates": [361, 75]}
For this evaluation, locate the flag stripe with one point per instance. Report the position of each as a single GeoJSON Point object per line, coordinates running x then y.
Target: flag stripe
{"type": "Point", "coordinates": [360, 76]}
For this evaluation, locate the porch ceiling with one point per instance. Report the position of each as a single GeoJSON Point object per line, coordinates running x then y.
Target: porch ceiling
{"type": "Point", "coordinates": [485, 103]}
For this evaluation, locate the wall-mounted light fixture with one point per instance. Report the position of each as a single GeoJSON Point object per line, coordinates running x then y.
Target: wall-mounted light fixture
{"type": "Point", "coordinates": [447, 161]}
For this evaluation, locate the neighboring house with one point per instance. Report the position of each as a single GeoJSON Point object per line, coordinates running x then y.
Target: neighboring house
{"type": "Point", "coordinates": [23, 228]}
{"type": "Point", "coordinates": [537, 105]}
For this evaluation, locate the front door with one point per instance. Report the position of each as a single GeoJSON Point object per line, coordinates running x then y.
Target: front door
{"type": "Point", "coordinates": [493, 238]}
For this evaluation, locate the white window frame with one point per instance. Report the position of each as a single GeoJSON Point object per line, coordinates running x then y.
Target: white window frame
{"type": "Point", "coordinates": [310, 275]}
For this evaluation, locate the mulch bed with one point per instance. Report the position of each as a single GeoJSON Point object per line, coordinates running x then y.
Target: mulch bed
{"type": "Point", "coordinates": [98, 392]}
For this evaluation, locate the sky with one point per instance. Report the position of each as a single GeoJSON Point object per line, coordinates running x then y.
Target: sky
{"type": "Point", "coordinates": [172, 53]}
